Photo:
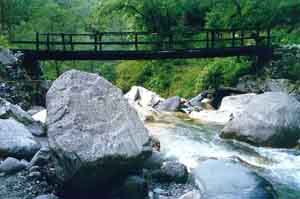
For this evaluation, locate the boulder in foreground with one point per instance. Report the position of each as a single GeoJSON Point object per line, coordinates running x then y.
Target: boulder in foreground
{"type": "Point", "coordinates": [94, 133]}
{"type": "Point", "coordinates": [220, 179]}
{"type": "Point", "coordinates": [270, 119]}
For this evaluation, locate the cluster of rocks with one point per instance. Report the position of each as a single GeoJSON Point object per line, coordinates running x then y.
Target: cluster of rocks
{"type": "Point", "coordinates": [93, 144]}
{"type": "Point", "coordinates": [270, 118]}
{"type": "Point", "coordinates": [24, 168]}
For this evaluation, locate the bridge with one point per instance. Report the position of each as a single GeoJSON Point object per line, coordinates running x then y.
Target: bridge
{"type": "Point", "coordinates": [206, 43]}
{"type": "Point", "coordinates": [145, 45]}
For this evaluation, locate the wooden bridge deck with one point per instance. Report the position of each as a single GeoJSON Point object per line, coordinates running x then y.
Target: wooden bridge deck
{"type": "Point", "coordinates": [144, 45]}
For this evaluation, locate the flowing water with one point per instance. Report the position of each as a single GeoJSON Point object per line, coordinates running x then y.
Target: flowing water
{"type": "Point", "coordinates": [193, 143]}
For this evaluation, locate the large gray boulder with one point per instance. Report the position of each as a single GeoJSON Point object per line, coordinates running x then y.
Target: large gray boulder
{"type": "Point", "coordinates": [220, 179]}
{"type": "Point", "coordinates": [16, 140]}
{"type": "Point", "coordinates": [93, 132]}
{"type": "Point", "coordinates": [270, 119]}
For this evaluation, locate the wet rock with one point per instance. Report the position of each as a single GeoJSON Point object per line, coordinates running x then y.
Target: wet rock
{"type": "Point", "coordinates": [155, 143]}
{"type": "Point", "coordinates": [170, 105]}
{"type": "Point", "coordinates": [220, 179]}
{"type": "Point", "coordinates": [171, 171]}
{"type": "Point", "coordinates": [47, 196]}
{"type": "Point", "coordinates": [41, 158]}
{"type": "Point", "coordinates": [16, 141]}
{"type": "Point", "coordinates": [135, 187]}
{"type": "Point", "coordinates": [34, 175]}
{"type": "Point", "coordinates": [11, 166]}
{"type": "Point", "coordinates": [192, 195]}
{"type": "Point", "coordinates": [155, 161]}
{"type": "Point", "coordinates": [270, 119]}
{"type": "Point", "coordinates": [93, 132]}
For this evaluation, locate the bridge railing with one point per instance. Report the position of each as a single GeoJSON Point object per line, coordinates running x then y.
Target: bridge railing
{"type": "Point", "coordinates": [147, 41]}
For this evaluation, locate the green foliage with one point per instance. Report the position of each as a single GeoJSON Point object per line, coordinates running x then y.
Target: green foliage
{"type": "Point", "coordinates": [20, 19]}
{"type": "Point", "coordinates": [4, 42]}
{"type": "Point", "coordinates": [184, 78]}
{"type": "Point", "coordinates": [294, 72]}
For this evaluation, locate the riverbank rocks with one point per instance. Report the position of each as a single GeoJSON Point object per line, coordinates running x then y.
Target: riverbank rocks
{"type": "Point", "coordinates": [270, 119]}
{"type": "Point", "coordinates": [16, 140]}
{"type": "Point", "coordinates": [8, 110]}
{"type": "Point", "coordinates": [143, 101]}
{"type": "Point", "coordinates": [12, 165]}
{"type": "Point", "coordinates": [231, 106]}
{"type": "Point", "coordinates": [220, 179]}
{"type": "Point", "coordinates": [143, 97]}
{"type": "Point", "coordinates": [96, 137]}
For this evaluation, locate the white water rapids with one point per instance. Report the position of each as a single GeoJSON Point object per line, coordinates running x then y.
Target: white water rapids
{"type": "Point", "coordinates": [191, 143]}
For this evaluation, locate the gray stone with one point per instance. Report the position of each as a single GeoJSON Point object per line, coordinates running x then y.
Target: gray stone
{"type": "Point", "coordinates": [16, 140]}
{"type": "Point", "coordinates": [270, 119]}
{"type": "Point", "coordinates": [155, 161]}
{"type": "Point", "coordinates": [171, 171]}
{"type": "Point", "coordinates": [7, 58]}
{"type": "Point", "coordinates": [47, 196]}
{"type": "Point", "coordinates": [196, 101]}
{"type": "Point", "coordinates": [192, 195]}
{"type": "Point", "coordinates": [170, 105]}
{"type": "Point", "coordinates": [34, 175]}
{"type": "Point", "coordinates": [135, 187]}
{"type": "Point", "coordinates": [93, 132]}
{"type": "Point", "coordinates": [220, 179]}
{"type": "Point", "coordinates": [143, 97]}
{"type": "Point", "coordinates": [8, 110]}
{"type": "Point", "coordinates": [41, 158]}
{"type": "Point", "coordinates": [11, 166]}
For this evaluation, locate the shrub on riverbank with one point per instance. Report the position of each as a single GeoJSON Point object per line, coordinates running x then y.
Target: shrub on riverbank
{"type": "Point", "coordinates": [180, 77]}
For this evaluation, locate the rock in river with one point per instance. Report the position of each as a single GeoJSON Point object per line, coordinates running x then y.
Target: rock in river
{"type": "Point", "coordinates": [270, 119]}
{"type": "Point", "coordinates": [220, 179]}
{"type": "Point", "coordinates": [95, 135]}
{"type": "Point", "coordinates": [170, 105]}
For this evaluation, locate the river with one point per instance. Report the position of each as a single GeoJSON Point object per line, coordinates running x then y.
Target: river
{"type": "Point", "coordinates": [192, 143]}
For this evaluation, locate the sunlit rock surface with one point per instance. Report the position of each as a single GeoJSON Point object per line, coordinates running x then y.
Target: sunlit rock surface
{"type": "Point", "coordinates": [95, 134]}
{"type": "Point", "coordinates": [270, 119]}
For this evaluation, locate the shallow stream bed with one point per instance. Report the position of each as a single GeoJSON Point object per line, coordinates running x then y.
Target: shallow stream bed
{"type": "Point", "coordinates": [193, 143]}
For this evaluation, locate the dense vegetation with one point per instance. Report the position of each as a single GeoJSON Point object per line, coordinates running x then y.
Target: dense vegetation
{"type": "Point", "coordinates": [20, 19]}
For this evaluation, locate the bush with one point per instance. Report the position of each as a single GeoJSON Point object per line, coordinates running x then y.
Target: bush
{"type": "Point", "coordinates": [4, 42]}
{"type": "Point", "coordinates": [185, 78]}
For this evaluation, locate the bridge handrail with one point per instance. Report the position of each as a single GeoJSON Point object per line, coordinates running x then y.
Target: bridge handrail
{"type": "Point", "coordinates": [238, 38]}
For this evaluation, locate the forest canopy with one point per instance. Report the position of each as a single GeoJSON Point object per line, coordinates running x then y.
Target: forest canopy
{"type": "Point", "coordinates": [22, 18]}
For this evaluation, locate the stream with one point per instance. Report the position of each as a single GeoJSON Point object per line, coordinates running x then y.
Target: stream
{"type": "Point", "coordinates": [192, 143]}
